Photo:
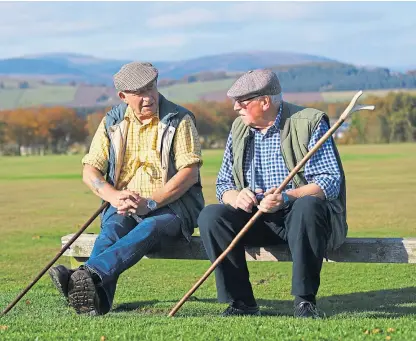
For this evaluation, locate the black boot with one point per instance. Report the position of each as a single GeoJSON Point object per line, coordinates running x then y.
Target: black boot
{"type": "Point", "coordinates": [60, 277]}
{"type": "Point", "coordinates": [307, 309]}
{"type": "Point", "coordinates": [238, 308]}
{"type": "Point", "coordinates": [82, 293]}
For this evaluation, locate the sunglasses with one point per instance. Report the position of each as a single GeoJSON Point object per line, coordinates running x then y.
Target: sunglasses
{"type": "Point", "coordinates": [245, 102]}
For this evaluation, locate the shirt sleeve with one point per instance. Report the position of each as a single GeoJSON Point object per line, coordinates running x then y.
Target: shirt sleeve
{"type": "Point", "coordinates": [98, 153]}
{"type": "Point", "coordinates": [322, 168]}
{"type": "Point", "coordinates": [186, 144]}
{"type": "Point", "coordinates": [225, 181]}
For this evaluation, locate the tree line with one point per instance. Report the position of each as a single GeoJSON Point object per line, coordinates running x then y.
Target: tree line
{"type": "Point", "coordinates": [319, 76]}
{"type": "Point", "coordinates": [57, 130]}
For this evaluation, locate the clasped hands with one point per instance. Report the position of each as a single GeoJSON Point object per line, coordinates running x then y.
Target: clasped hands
{"type": "Point", "coordinates": [128, 202]}
{"type": "Point", "coordinates": [271, 203]}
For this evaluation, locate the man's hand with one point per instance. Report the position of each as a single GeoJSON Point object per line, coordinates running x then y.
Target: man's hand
{"type": "Point", "coordinates": [122, 198]}
{"type": "Point", "coordinates": [271, 202]}
{"type": "Point", "coordinates": [246, 199]}
{"type": "Point", "coordinates": [137, 206]}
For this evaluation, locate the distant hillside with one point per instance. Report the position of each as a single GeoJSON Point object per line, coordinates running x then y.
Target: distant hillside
{"type": "Point", "coordinates": [339, 76]}
{"type": "Point", "coordinates": [73, 67]}
{"type": "Point", "coordinates": [304, 82]}
{"type": "Point", "coordinates": [88, 97]}
{"type": "Point", "coordinates": [319, 76]}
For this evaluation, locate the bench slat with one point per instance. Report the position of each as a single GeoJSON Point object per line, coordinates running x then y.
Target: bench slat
{"type": "Point", "coordinates": [357, 250]}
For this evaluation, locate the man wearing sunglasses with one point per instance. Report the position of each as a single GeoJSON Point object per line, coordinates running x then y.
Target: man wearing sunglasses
{"type": "Point", "coordinates": [266, 141]}
{"type": "Point", "coordinates": [144, 160]}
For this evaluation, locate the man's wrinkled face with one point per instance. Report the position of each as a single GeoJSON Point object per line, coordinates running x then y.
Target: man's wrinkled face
{"type": "Point", "coordinates": [251, 111]}
{"type": "Point", "coordinates": [144, 102]}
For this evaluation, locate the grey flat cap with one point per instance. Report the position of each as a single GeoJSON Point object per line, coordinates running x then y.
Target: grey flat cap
{"type": "Point", "coordinates": [260, 82]}
{"type": "Point", "coordinates": [135, 76]}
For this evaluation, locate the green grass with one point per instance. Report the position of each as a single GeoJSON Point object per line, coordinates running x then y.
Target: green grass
{"type": "Point", "coordinates": [48, 94]}
{"type": "Point", "coordinates": [40, 95]}
{"type": "Point", "coordinates": [345, 96]}
{"type": "Point", "coordinates": [43, 198]}
{"type": "Point", "coordinates": [193, 91]}
{"type": "Point", "coordinates": [9, 98]}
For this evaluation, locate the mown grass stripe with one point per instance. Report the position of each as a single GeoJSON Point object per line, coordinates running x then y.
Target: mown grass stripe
{"type": "Point", "coordinates": [41, 177]}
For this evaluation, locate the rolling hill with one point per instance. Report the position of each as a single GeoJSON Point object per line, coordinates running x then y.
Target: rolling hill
{"type": "Point", "coordinates": [84, 81]}
{"type": "Point", "coordinates": [64, 67]}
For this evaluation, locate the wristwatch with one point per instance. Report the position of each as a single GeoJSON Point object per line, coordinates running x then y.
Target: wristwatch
{"type": "Point", "coordinates": [151, 204]}
{"type": "Point", "coordinates": [286, 200]}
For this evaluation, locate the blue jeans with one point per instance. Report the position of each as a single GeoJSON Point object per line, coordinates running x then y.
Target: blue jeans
{"type": "Point", "coordinates": [122, 242]}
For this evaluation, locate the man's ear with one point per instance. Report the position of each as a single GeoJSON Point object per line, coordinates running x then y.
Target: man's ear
{"type": "Point", "coordinates": [267, 102]}
{"type": "Point", "coordinates": [122, 96]}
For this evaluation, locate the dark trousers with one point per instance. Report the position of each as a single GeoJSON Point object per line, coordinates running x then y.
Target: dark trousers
{"type": "Point", "coordinates": [304, 226]}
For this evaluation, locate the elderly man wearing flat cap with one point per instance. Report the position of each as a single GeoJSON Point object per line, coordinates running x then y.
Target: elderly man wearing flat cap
{"type": "Point", "coordinates": [267, 140]}
{"type": "Point", "coordinates": [144, 160]}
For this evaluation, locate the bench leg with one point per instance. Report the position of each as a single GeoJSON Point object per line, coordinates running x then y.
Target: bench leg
{"type": "Point", "coordinates": [77, 261]}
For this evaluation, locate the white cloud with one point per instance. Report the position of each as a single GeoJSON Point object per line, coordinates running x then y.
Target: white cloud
{"type": "Point", "coordinates": [23, 21]}
{"type": "Point", "coordinates": [181, 30]}
{"type": "Point", "coordinates": [169, 40]}
{"type": "Point", "coordinates": [161, 42]}
{"type": "Point", "coordinates": [240, 12]}
{"type": "Point", "coordinates": [185, 18]}
{"type": "Point", "coordinates": [49, 29]}
{"type": "Point", "coordinates": [280, 11]}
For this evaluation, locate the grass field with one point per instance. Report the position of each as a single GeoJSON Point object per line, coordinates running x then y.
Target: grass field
{"type": "Point", "coordinates": [41, 94]}
{"type": "Point", "coordinates": [192, 92]}
{"type": "Point", "coordinates": [345, 96]}
{"type": "Point", "coordinates": [216, 90]}
{"type": "Point", "coordinates": [43, 198]}
{"type": "Point", "coordinates": [36, 96]}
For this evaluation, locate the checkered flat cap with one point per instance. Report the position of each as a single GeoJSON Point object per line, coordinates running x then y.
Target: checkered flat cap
{"type": "Point", "coordinates": [135, 76]}
{"type": "Point", "coordinates": [260, 82]}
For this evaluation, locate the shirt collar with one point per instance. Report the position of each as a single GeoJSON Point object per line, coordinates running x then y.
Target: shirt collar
{"type": "Point", "coordinates": [276, 123]}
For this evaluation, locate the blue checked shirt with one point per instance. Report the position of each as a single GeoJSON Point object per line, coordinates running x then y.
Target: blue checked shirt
{"type": "Point", "coordinates": [270, 169]}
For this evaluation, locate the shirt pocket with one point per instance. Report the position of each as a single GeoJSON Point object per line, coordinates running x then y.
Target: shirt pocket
{"type": "Point", "coordinates": [151, 165]}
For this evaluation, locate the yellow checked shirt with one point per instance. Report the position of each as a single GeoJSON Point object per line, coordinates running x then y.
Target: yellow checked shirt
{"type": "Point", "coordinates": [141, 170]}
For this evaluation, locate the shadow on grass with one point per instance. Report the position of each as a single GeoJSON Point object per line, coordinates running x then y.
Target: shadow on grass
{"type": "Point", "coordinates": [142, 307]}
{"type": "Point", "coordinates": [154, 306]}
{"type": "Point", "coordinates": [391, 303]}
{"type": "Point", "coordinates": [381, 303]}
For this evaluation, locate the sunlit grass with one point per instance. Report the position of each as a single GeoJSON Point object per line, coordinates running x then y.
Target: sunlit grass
{"type": "Point", "coordinates": [43, 198]}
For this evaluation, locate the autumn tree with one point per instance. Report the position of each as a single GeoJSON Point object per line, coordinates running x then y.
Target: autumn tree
{"type": "Point", "coordinates": [213, 120]}
{"type": "Point", "coordinates": [393, 120]}
{"type": "Point", "coordinates": [64, 127]}
{"type": "Point", "coordinates": [53, 128]}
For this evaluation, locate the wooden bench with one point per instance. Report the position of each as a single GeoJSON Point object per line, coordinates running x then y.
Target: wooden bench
{"type": "Point", "coordinates": [359, 250]}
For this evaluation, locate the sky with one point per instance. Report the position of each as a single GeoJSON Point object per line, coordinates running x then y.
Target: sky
{"type": "Point", "coordinates": [362, 33]}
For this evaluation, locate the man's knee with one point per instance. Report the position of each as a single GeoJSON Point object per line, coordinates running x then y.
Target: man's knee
{"type": "Point", "coordinates": [116, 226]}
{"type": "Point", "coordinates": [165, 227]}
{"type": "Point", "coordinates": [104, 241]}
{"type": "Point", "coordinates": [313, 214]}
{"type": "Point", "coordinates": [309, 205]}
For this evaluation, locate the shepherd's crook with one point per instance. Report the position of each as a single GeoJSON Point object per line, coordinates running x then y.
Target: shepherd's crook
{"type": "Point", "coordinates": [59, 254]}
{"type": "Point", "coordinates": [350, 109]}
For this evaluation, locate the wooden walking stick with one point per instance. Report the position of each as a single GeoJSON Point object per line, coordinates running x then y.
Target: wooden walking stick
{"type": "Point", "coordinates": [59, 254]}
{"type": "Point", "coordinates": [350, 109]}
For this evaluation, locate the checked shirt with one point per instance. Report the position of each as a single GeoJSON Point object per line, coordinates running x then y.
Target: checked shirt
{"type": "Point", "coordinates": [270, 169]}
